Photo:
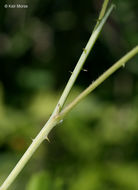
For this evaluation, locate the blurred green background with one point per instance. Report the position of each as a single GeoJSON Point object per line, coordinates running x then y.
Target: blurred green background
{"type": "Point", "coordinates": [96, 146]}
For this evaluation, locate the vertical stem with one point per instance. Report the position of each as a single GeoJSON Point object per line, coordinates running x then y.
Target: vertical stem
{"type": "Point", "coordinates": [102, 12]}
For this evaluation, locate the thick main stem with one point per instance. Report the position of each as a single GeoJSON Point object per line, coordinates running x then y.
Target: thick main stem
{"type": "Point", "coordinates": [27, 155]}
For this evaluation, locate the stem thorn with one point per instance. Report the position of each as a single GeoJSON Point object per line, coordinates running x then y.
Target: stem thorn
{"type": "Point", "coordinates": [47, 139]}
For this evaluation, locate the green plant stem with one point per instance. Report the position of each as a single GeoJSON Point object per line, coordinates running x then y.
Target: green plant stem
{"type": "Point", "coordinates": [96, 83]}
{"type": "Point", "coordinates": [27, 155]}
{"type": "Point", "coordinates": [49, 126]}
{"type": "Point", "coordinates": [102, 12]}
{"type": "Point", "coordinates": [84, 55]}
{"type": "Point", "coordinates": [43, 134]}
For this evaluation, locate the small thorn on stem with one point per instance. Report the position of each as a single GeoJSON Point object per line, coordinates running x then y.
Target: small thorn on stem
{"type": "Point", "coordinates": [70, 72]}
{"type": "Point", "coordinates": [47, 139]}
{"type": "Point", "coordinates": [61, 121]}
{"type": "Point", "coordinates": [85, 70]}
{"type": "Point", "coordinates": [84, 50]}
{"type": "Point", "coordinates": [123, 65]}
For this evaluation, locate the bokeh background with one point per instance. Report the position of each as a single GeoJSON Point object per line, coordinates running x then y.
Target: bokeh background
{"type": "Point", "coordinates": [96, 146]}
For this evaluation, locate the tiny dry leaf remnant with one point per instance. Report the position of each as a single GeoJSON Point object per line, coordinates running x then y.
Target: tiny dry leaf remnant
{"type": "Point", "coordinates": [59, 112]}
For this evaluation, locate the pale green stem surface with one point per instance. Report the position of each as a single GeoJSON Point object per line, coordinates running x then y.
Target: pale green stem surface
{"type": "Point", "coordinates": [53, 119]}
{"type": "Point", "coordinates": [96, 83]}
{"type": "Point", "coordinates": [27, 155]}
{"type": "Point", "coordinates": [102, 12]}
{"type": "Point", "coordinates": [84, 55]}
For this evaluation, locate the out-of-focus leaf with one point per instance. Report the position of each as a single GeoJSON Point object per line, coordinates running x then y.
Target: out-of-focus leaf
{"type": "Point", "coordinates": [41, 180]}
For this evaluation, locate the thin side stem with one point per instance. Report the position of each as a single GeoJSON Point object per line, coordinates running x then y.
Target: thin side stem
{"type": "Point", "coordinates": [102, 12]}
{"type": "Point", "coordinates": [84, 55]}
{"type": "Point", "coordinates": [102, 78]}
